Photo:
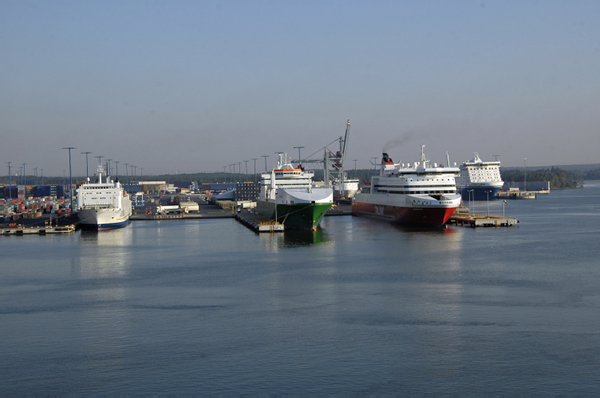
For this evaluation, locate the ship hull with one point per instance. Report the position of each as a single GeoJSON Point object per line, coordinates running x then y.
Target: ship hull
{"type": "Point", "coordinates": [300, 215]}
{"type": "Point", "coordinates": [103, 219]}
{"type": "Point", "coordinates": [479, 193]}
{"type": "Point", "coordinates": [405, 209]}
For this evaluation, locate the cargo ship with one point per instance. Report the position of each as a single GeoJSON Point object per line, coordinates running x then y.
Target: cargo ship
{"type": "Point", "coordinates": [420, 194]}
{"type": "Point", "coordinates": [479, 180]}
{"type": "Point", "coordinates": [287, 195]}
{"type": "Point", "coordinates": [103, 205]}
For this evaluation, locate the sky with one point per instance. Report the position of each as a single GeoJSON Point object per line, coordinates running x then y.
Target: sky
{"type": "Point", "coordinates": [194, 86]}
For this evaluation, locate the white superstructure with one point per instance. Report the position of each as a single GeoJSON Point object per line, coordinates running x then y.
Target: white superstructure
{"type": "Point", "coordinates": [479, 180]}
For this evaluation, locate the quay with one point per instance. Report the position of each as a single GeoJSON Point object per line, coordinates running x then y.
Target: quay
{"type": "Point", "coordinates": [519, 194]}
{"type": "Point", "coordinates": [259, 223]}
{"type": "Point", "coordinates": [463, 217]}
{"type": "Point", "coordinates": [183, 216]}
{"type": "Point", "coordinates": [45, 230]}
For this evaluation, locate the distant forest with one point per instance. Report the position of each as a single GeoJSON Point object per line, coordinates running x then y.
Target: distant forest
{"type": "Point", "coordinates": [558, 178]}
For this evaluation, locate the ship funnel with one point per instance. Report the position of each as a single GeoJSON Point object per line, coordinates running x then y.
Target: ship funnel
{"type": "Point", "coordinates": [387, 159]}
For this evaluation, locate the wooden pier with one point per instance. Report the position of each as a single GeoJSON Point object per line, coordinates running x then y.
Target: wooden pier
{"type": "Point", "coordinates": [259, 223]}
{"type": "Point", "coordinates": [463, 217]}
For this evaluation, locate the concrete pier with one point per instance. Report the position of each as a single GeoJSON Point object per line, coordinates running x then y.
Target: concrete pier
{"type": "Point", "coordinates": [44, 230]}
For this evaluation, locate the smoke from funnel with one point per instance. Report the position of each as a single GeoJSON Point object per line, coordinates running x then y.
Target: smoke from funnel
{"type": "Point", "coordinates": [397, 142]}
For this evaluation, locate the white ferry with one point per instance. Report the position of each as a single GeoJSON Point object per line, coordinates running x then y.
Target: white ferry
{"type": "Point", "coordinates": [479, 180]}
{"type": "Point", "coordinates": [287, 195]}
{"type": "Point", "coordinates": [103, 205]}
{"type": "Point", "coordinates": [418, 194]}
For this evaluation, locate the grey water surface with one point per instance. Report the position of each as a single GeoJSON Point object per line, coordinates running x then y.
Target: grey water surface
{"type": "Point", "coordinates": [208, 306]}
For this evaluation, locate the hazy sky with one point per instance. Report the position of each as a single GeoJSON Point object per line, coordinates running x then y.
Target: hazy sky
{"type": "Point", "coordinates": [187, 86]}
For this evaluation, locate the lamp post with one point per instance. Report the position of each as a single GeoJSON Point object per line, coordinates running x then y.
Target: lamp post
{"type": "Point", "coordinates": [299, 158]}
{"type": "Point", "coordinates": [70, 176]}
{"type": "Point", "coordinates": [525, 175]}
{"type": "Point", "coordinates": [472, 193]}
{"type": "Point", "coordinates": [127, 176]}
{"type": "Point", "coordinates": [240, 171]}
{"type": "Point", "coordinates": [355, 174]}
{"type": "Point", "coordinates": [255, 169]}
{"type": "Point", "coordinates": [246, 161]}
{"type": "Point", "coordinates": [87, 170]}
{"type": "Point", "coordinates": [265, 156]}
{"type": "Point", "coordinates": [24, 177]}
{"type": "Point", "coordinates": [117, 169]}
{"type": "Point", "coordinates": [9, 181]}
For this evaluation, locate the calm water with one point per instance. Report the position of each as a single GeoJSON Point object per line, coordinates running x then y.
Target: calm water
{"type": "Point", "coordinates": [208, 306]}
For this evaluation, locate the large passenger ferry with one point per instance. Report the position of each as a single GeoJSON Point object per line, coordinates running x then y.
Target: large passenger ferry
{"type": "Point", "coordinates": [103, 204]}
{"type": "Point", "coordinates": [417, 194]}
{"type": "Point", "coordinates": [479, 180]}
{"type": "Point", "coordinates": [288, 196]}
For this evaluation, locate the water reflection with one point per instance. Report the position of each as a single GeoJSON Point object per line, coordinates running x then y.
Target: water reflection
{"type": "Point", "coordinates": [103, 253]}
{"type": "Point", "coordinates": [294, 238]}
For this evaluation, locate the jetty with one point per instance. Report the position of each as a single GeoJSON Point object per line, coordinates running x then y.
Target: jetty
{"type": "Point", "coordinates": [37, 230]}
{"type": "Point", "coordinates": [463, 217]}
{"type": "Point", "coordinates": [259, 223]}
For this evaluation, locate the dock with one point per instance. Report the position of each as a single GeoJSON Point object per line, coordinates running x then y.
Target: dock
{"type": "Point", "coordinates": [519, 194]}
{"type": "Point", "coordinates": [463, 217]}
{"type": "Point", "coordinates": [44, 230]}
{"type": "Point", "coordinates": [259, 223]}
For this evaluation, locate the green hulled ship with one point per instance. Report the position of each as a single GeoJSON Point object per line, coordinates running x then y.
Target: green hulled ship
{"type": "Point", "coordinates": [287, 196]}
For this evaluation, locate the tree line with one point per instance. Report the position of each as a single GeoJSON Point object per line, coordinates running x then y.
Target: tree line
{"type": "Point", "coordinates": [559, 178]}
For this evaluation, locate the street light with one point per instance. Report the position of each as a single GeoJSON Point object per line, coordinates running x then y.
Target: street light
{"type": "Point", "coordinates": [24, 177]}
{"type": "Point", "coordinates": [9, 181]}
{"type": "Point", "coordinates": [299, 158]}
{"type": "Point", "coordinates": [265, 156]}
{"type": "Point", "coordinates": [525, 175]}
{"type": "Point", "coordinates": [472, 193]}
{"type": "Point", "coordinates": [355, 174]}
{"type": "Point", "coordinates": [87, 171]}
{"type": "Point", "coordinates": [70, 176]}
{"type": "Point", "coordinates": [255, 159]}
{"type": "Point", "coordinates": [127, 175]}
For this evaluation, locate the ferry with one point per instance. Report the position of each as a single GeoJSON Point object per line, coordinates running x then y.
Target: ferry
{"type": "Point", "coordinates": [103, 205]}
{"type": "Point", "coordinates": [287, 195]}
{"type": "Point", "coordinates": [420, 194]}
{"type": "Point", "coordinates": [479, 180]}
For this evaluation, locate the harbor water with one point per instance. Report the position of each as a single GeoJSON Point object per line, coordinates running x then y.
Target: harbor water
{"type": "Point", "coordinates": [360, 307]}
